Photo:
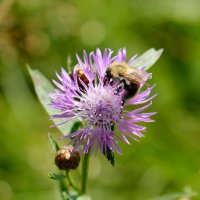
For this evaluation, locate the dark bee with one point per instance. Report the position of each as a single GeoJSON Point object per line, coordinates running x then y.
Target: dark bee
{"type": "Point", "coordinates": [131, 77]}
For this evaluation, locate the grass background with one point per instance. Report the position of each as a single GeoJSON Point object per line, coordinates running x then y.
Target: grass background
{"type": "Point", "coordinates": [43, 34]}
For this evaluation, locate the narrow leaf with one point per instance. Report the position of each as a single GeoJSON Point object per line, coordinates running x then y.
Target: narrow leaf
{"type": "Point", "coordinates": [55, 176]}
{"type": "Point", "coordinates": [147, 59]}
{"type": "Point", "coordinates": [110, 156]}
{"type": "Point", "coordinates": [175, 195]}
{"type": "Point", "coordinates": [76, 197]}
{"type": "Point", "coordinates": [76, 127]}
{"type": "Point", "coordinates": [84, 197]}
{"type": "Point", "coordinates": [54, 144]}
{"type": "Point", "coordinates": [69, 64]}
{"type": "Point", "coordinates": [43, 87]}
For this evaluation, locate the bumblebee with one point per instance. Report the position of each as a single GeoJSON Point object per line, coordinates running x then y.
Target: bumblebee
{"type": "Point", "coordinates": [132, 78]}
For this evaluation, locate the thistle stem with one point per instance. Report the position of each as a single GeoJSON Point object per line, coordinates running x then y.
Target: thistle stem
{"type": "Point", "coordinates": [63, 189]}
{"type": "Point", "coordinates": [85, 167]}
{"type": "Point", "coordinates": [71, 182]}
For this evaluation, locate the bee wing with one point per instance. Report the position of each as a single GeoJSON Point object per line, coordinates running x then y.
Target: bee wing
{"type": "Point", "coordinates": [132, 78]}
{"type": "Point", "coordinates": [140, 75]}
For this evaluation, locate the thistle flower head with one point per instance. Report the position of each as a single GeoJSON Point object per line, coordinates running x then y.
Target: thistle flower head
{"type": "Point", "coordinates": [100, 103]}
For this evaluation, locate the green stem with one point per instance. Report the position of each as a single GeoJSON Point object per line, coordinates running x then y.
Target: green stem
{"type": "Point", "coordinates": [71, 182]}
{"type": "Point", "coordinates": [85, 166]}
{"type": "Point", "coordinates": [63, 189]}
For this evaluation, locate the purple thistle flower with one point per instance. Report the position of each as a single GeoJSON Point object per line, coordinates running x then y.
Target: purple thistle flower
{"type": "Point", "coordinates": [99, 104]}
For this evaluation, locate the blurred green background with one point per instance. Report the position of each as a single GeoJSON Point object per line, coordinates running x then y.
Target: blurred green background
{"type": "Point", "coordinates": [43, 33]}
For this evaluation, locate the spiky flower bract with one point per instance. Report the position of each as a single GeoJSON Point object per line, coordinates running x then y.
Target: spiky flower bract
{"type": "Point", "coordinates": [99, 104]}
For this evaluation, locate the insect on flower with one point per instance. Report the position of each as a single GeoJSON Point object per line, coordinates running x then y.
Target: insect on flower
{"type": "Point", "coordinates": [98, 93]}
{"type": "Point", "coordinates": [132, 78]}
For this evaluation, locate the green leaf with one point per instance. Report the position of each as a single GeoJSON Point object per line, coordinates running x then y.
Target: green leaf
{"type": "Point", "coordinates": [55, 176]}
{"type": "Point", "coordinates": [68, 196]}
{"type": "Point", "coordinates": [69, 64]}
{"type": "Point", "coordinates": [109, 153]}
{"type": "Point", "coordinates": [83, 197]}
{"type": "Point", "coordinates": [110, 156]}
{"type": "Point", "coordinates": [54, 144]}
{"type": "Point", "coordinates": [147, 59]}
{"type": "Point", "coordinates": [76, 127]}
{"type": "Point", "coordinates": [175, 195]}
{"type": "Point", "coordinates": [43, 87]}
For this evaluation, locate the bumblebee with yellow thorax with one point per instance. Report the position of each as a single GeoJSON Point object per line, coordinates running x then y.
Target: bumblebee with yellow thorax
{"type": "Point", "coordinates": [131, 77]}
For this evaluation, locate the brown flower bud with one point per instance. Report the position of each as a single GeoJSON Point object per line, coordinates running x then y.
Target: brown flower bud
{"type": "Point", "coordinates": [81, 75]}
{"type": "Point", "coordinates": [67, 159]}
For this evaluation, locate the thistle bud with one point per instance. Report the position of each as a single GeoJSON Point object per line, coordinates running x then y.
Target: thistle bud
{"type": "Point", "coordinates": [81, 75]}
{"type": "Point", "coordinates": [67, 159]}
